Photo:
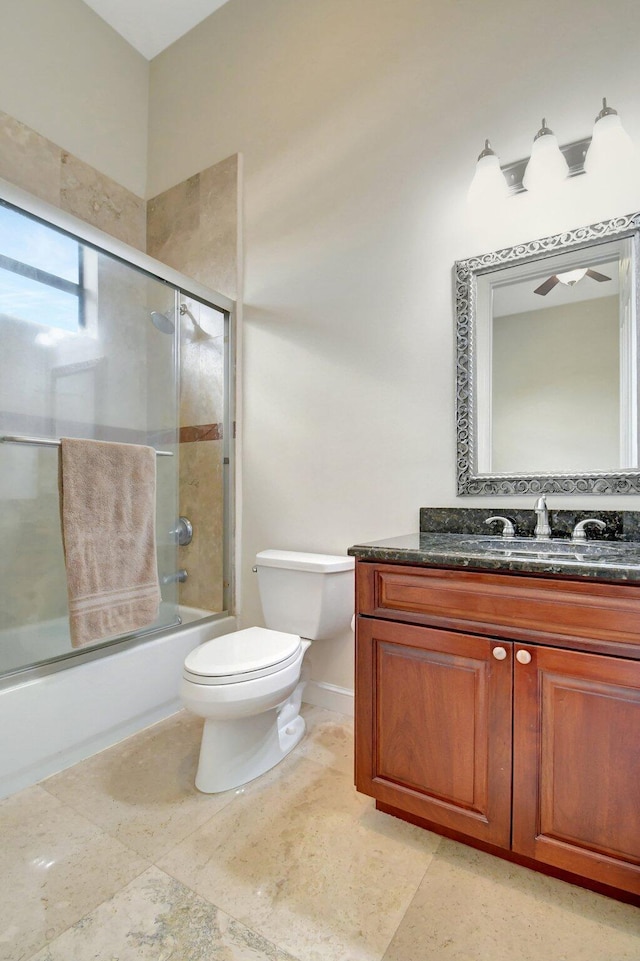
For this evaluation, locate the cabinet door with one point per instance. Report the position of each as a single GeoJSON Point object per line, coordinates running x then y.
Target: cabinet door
{"type": "Point", "coordinates": [433, 725]}
{"type": "Point", "coordinates": [577, 763]}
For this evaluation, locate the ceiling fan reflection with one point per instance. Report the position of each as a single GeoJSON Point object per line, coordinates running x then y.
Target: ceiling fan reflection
{"type": "Point", "coordinates": [569, 278]}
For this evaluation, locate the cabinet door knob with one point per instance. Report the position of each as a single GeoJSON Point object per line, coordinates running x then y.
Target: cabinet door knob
{"type": "Point", "coordinates": [523, 657]}
{"type": "Point", "coordinates": [499, 653]}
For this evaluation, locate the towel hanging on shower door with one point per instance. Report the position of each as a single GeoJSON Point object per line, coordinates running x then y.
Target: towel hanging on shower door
{"type": "Point", "coordinates": [108, 508]}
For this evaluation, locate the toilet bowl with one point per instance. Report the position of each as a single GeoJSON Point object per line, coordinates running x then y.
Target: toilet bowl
{"type": "Point", "coordinates": [246, 685]}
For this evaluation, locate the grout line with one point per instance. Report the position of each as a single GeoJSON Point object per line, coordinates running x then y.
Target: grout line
{"type": "Point", "coordinates": [414, 895]}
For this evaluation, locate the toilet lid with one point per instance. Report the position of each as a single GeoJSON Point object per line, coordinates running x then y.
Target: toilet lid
{"type": "Point", "coordinates": [254, 652]}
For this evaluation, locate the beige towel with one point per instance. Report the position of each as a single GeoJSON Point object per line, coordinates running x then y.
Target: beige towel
{"type": "Point", "coordinates": [108, 505]}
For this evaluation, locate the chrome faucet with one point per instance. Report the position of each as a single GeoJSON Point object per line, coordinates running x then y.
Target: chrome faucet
{"type": "Point", "coordinates": [543, 531]}
{"type": "Point", "coordinates": [177, 577]}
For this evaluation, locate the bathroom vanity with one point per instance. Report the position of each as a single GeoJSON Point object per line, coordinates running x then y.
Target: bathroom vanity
{"type": "Point", "coordinates": [498, 696]}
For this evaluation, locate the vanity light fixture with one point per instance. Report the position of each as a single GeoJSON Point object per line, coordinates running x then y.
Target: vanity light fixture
{"type": "Point", "coordinates": [611, 148]}
{"type": "Point", "coordinates": [547, 166]}
{"type": "Point", "coordinates": [608, 155]}
{"type": "Point", "coordinates": [488, 184]}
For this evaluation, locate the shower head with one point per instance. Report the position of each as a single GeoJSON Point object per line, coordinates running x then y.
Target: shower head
{"type": "Point", "coordinates": [162, 322]}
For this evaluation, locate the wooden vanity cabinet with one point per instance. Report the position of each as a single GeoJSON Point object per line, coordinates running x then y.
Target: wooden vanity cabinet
{"type": "Point", "coordinates": [433, 729]}
{"type": "Point", "coordinates": [576, 764]}
{"type": "Point", "coordinates": [505, 709]}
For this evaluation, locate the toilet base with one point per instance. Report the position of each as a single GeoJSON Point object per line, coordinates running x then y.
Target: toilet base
{"type": "Point", "coordinates": [237, 751]}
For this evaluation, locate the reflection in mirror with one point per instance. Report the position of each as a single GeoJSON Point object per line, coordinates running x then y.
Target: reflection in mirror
{"type": "Point", "coordinates": [547, 365]}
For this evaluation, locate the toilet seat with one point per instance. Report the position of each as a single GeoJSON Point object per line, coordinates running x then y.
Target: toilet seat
{"type": "Point", "coordinates": [241, 656]}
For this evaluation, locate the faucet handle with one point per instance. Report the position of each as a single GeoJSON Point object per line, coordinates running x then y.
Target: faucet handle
{"type": "Point", "coordinates": [579, 534]}
{"type": "Point", "coordinates": [507, 528]}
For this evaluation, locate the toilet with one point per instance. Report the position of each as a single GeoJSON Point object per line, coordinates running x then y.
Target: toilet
{"type": "Point", "coordinates": [247, 685]}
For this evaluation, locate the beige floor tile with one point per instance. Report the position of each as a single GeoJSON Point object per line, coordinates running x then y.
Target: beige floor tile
{"type": "Point", "coordinates": [55, 866]}
{"type": "Point", "coordinates": [475, 907]}
{"type": "Point", "coordinates": [295, 866]}
{"type": "Point", "coordinates": [156, 918]}
{"type": "Point", "coordinates": [142, 790]}
{"type": "Point", "coordinates": [328, 739]}
{"type": "Point", "coordinates": [310, 862]}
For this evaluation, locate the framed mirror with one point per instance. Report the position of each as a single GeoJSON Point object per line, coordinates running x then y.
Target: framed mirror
{"type": "Point", "coordinates": [547, 364]}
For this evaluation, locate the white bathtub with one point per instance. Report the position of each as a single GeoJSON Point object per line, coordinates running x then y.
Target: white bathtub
{"type": "Point", "coordinates": [55, 720]}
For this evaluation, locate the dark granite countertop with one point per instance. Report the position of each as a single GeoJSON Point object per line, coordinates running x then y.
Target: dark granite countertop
{"type": "Point", "coordinates": [610, 560]}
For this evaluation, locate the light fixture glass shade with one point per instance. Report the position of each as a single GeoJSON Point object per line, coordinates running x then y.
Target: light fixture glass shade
{"type": "Point", "coordinates": [571, 277]}
{"type": "Point", "coordinates": [488, 185]}
{"type": "Point", "coordinates": [547, 166]}
{"type": "Point", "coordinates": [611, 152]}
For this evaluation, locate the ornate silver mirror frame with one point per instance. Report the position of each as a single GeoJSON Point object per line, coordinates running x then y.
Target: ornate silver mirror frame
{"type": "Point", "coordinates": [467, 272]}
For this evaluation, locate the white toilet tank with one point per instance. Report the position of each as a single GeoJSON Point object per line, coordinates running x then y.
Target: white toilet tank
{"type": "Point", "coordinates": [307, 594]}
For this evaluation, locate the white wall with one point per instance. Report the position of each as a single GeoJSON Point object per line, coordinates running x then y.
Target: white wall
{"type": "Point", "coordinates": [65, 73]}
{"type": "Point", "coordinates": [360, 123]}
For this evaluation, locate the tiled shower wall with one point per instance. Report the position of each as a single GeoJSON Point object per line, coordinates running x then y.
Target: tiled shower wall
{"type": "Point", "coordinates": [47, 171]}
{"type": "Point", "coordinates": [193, 228]}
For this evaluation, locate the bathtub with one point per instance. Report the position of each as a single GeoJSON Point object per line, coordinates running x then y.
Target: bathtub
{"type": "Point", "coordinates": [56, 719]}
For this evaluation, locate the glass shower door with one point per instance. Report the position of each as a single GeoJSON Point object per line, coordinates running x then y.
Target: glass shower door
{"type": "Point", "coordinates": [89, 350]}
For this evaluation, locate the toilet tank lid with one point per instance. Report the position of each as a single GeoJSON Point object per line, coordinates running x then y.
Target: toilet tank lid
{"type": "Point", "coordinates": [297, 560]}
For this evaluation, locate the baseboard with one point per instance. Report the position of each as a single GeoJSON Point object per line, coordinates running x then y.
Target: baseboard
{"type": "Point", "coordinates": [329, 696]}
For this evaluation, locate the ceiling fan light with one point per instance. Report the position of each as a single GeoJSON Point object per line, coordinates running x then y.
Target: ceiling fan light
{"type": "Point", "coordinates": [547, 165]}
{"type": "Point", "coordinates": [571, 277]}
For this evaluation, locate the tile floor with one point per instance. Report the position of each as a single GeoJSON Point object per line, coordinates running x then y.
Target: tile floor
{"type": "Point", "coordinates": [120, 859]}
